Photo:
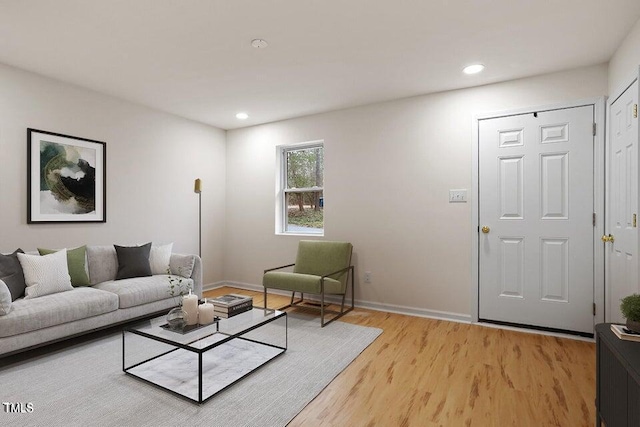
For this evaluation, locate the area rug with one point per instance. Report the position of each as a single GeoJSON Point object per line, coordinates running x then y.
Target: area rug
{"type": "Point", "coordinates": [84, 385]}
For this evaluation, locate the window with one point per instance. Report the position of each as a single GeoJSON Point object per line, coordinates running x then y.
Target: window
{"type": "Point", "coordinates": [301, 189]}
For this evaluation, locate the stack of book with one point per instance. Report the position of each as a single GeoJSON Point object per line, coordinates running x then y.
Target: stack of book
{"type": "Point", "coordinates": [229, 305]}
{"type": "Point", "coordinates": [625, 334]}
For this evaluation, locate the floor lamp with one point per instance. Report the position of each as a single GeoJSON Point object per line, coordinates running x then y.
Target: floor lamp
{"type": "Point", "coordinates": [197, 188]}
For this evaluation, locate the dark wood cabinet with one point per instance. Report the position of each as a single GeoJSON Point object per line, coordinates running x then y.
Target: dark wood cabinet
{"type": "Point", "coordinates": [617, 379]}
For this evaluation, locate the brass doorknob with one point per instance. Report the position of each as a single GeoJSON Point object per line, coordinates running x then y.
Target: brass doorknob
{"type": "Point", "coordinates": [608, 238]}
{"type": "Point", "coordinates": [485, 229]}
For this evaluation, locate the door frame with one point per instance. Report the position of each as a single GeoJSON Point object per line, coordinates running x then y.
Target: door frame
{"type": "Point", "coordinates": [598, 104]}
{"type": "Point", "coordinates": [613, 98]}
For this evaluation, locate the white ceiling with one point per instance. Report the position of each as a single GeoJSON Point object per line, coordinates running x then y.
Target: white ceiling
{"type": "Point", "coordinates": [193, 58]}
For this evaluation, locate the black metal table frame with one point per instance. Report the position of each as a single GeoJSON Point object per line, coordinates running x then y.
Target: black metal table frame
{"type": "Point", "coordinates": [201, 351]}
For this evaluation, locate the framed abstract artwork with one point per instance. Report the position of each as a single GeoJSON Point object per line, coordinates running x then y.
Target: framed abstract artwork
{"type": "Point", "coordinates": [66, 178]}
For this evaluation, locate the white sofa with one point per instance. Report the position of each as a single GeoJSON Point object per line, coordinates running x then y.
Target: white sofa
{"type": "Point", "coordinates": [49, 318]}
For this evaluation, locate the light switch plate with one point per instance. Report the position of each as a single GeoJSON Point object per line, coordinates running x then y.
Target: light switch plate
{"type": "Point", "coordinates": [458, 196]}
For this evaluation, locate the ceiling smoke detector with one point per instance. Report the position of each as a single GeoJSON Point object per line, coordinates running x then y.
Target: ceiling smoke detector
{"type": "Point", "coordinates": [259, 43]}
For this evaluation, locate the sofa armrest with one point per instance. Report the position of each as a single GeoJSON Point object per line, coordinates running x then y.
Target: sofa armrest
{"type": "Point", "coordinates": [196, 274]}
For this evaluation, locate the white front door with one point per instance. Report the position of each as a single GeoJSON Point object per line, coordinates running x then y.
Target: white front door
{"type": "Point", "coordinates": [536, 204]}
{"type": "Point", "coordinates": [622, 253]}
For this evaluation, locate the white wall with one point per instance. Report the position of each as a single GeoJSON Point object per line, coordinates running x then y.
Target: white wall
{"type": "Point", "coordinates": [626, 60]}
{"type": "Point", "coordinates": [388, 169]}
{"type": "Point", "coordinates": [152, 161]}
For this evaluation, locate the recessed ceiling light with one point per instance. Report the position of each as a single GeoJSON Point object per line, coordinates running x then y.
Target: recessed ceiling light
{"type": "Point", "coordinates": [259, 43]}
{"type": "Point", "coordinates": [473, 69]}
{"type": "Point", "coordinates": [242, 116]}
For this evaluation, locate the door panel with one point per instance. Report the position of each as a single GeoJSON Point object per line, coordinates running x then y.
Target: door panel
{"type": "Point", "coordinates": [554, 186]}
{"type": "Point", "coordinates": [536, 185]}
{"type": "Point", "coordinates": [621, 254]}
{"type": "Point", "coordinates": [511, 187]}
{"type": "Point", "coordinates": [554, 268]}
{"type": "Point", "coordinates": [512, 267]}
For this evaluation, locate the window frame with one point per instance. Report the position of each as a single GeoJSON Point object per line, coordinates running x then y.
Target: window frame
{"type": "Point", "coordinates": [281, 186]}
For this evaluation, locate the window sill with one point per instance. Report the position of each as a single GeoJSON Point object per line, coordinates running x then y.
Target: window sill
{"type": "Point", "coordinates": [297, 233]}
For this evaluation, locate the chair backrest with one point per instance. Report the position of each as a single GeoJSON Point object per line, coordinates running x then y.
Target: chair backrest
{"type": "Point", "coordinates": [321, 257]}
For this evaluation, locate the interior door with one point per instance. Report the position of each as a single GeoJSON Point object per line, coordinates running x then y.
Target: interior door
{"type": "Point", "coordinates": [622, 240]}
{"type": "Point", "coordinates": [536, 254]}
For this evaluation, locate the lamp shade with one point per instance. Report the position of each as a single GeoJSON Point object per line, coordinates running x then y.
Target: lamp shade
{"type": "Point", "coordinates": [197, 187]}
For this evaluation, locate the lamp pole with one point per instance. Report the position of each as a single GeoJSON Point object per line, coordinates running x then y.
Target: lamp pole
{"type": "Point", "coordinates": [197, 188]}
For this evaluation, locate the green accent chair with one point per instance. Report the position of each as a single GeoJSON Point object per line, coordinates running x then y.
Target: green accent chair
{"type": "Point", "coordinates": [321, 268]}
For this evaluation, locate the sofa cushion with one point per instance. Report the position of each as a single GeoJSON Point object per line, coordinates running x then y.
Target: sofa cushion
{"type": "Point", "coordinates": [103, 263]}
{"type": "Point", "coordinates": [305, 283]}
{"type": "Point", "coordinates": [11, 274]}
{"type": "Point", "coordinates": [5, 299]}
{"type": "Point", "coordinates": [159, 258]}
{"type": "Point", "coordinates": [182, 265]}
{"type": "Point", "coordinates": [76, 261]}
{"type": "Point", "coordinates": [133, 261]}
{"type": "Point", "coordinates": [140, 290]}
{"type": "Point", "coordinates": [44, 275]}
{"type": "Point", "coordinates": [55, 309]}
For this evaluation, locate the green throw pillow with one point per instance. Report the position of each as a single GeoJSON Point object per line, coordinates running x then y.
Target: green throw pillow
{"type": "Point", "coordinates": [76, 260]}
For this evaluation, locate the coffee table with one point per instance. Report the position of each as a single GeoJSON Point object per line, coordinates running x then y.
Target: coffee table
{"type": "Point", "coordinates": [198, 364]}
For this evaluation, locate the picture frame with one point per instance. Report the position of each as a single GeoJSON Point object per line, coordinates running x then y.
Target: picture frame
{"type": "Point", "coordinates": [66, 178]}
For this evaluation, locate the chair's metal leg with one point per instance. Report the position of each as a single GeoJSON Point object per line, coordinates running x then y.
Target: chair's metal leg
{"type": "Point", "coordinates": [353, 295]}
{"type": "Point", "coordinates": [342, 311]}
{"type": "Point", "coordinates": [323, 309]}
{"type": "Point", "coordinates": [292, 303]}
{"type": "Point", "coordinates": [322, 303]}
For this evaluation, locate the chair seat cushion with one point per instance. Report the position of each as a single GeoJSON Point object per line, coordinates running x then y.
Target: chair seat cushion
{"type": "Point", "coordinates": [55, 309]}
{"type": "Point", "coordinates": [141, 290]}
{"type": "Point", "coordinates": [306, 283]}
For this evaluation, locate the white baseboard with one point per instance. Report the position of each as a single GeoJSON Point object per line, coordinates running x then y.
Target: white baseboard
{"type": "Point", "coordinates": [389, 308]}
{"type": "Point", "coordinates": [398, 309]}
{"type": "Point", "coordinates": [461, 318]}
{"type": "Point", "coordinates": [215, 285]}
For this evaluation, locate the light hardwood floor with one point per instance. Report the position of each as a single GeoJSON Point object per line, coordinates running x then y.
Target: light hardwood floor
{"type": "Point", "coordinates": [424, 372]}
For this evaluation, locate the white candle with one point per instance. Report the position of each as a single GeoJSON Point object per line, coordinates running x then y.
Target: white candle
{"type": "Point", "coordinates": [190, 306]}
{"type": "Point", "coordinates": [205, 313]}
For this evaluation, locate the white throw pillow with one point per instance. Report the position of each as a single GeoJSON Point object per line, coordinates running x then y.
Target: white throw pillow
{"type": "Point", "coordinates": [159, 258]}
{"type": "Point", "coordinates": [46, 274]}
{"type": "Point", "coordinates": [182, 265]}
{"type": "Point", "coordinates": [5, 299]}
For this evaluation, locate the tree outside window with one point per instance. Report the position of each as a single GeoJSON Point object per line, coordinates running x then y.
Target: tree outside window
{"type": "Point", "coordinates": [303, 189]}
